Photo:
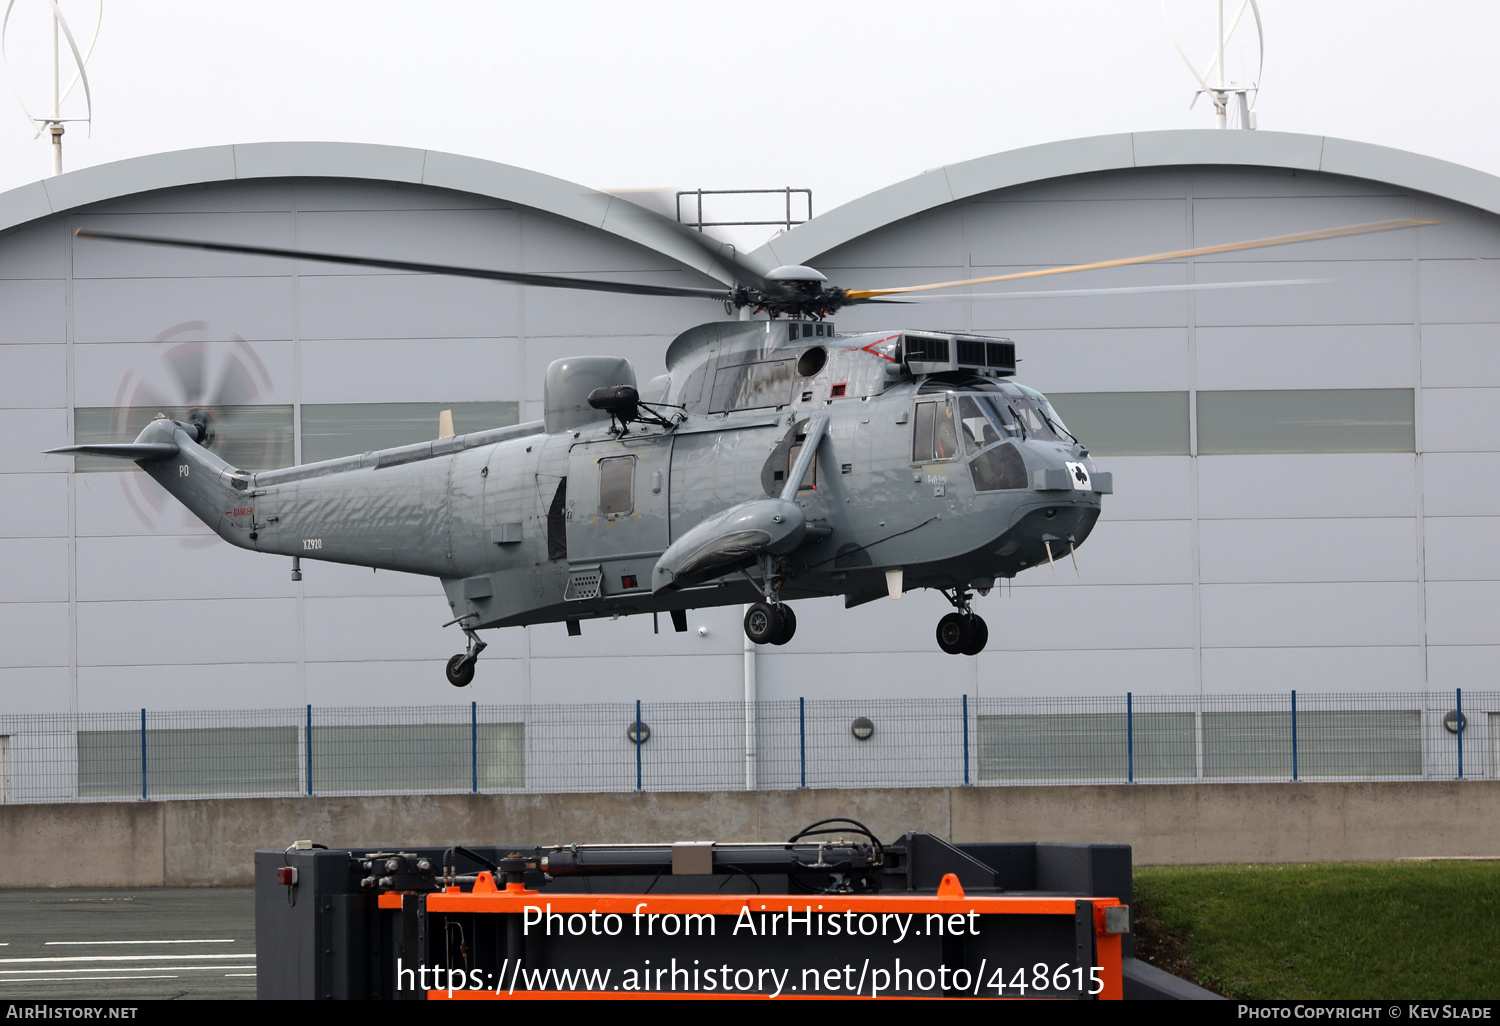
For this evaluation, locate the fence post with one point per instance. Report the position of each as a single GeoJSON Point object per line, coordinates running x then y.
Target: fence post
{"type": "Point", "coordinates": [1459, 698]}
{"type": "Point", "coordinates": [966, 739]}
{"type": "Point", "coordinates": [309, 751]}
{"type": "Point", "coordinates": [637, 744]}
{"type": "Point", "coordinates": [143, 755]}
{"type": "Point", "coordinates": [1129, 737]}
{"type": "Point", "coordinates": [474, 742]}
{"type": "Point", "coordinates": [1294, 734]}
{"type": "Point", "coordinates": [802, 737]}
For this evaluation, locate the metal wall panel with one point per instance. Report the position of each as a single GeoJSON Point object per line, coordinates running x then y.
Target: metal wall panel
{"type": "Point", "coordinates": [1461, 666]}
{"type": "Point", "coordinates": [1352, 484]}
{"type": "Point", "coordinates": [152, 568]}
{"type": "Point", "coordinates": [1460, 419]}
{"type": "Point", "coordinates": [1151, 487]}
{"type": "Point", "coordinates": [932, 241]}
{"type": "Point", "coordinates": [380, 628]}
{"type": "Point", "coordinates": [1092, 616]}
{"type": "Point", "coordinates": [33, 376]}
{"type": "Point", "coordinates": [1463, 612]}
{"type": "Point", "coordinates": [36, 634]}
{"type": "Point", "coordinates": [1461, 355]}
{"type": "Point", "coordinates": [406, 306]}
{"type": "Point", "coordinates": [1357, 292]}
{"type": "Point", "coordinates": [27, 433]}
{"type": "Point", "coordinates": [228, 683]}
{"type": "Point", "coordinates": [1306, 356]}
{"type": "Point", "coordinates": [1122, 552]}
{"type": "Point", "coordinates": [1461, 548]}
{"type": "Point", "coordinates": [1461, 484]}
{"type": "Point", "coordinates": [181, 633]}
{"type": "Point", "coordinates": [130, 309]}
{"type": "Point", "coordinates": [1310, 550]}
{"type": "Point", "coordinates": [1101, 359]}
{"type": "Point", "coordinates": [610, 679]}
{"type": "Point", "coordinates": [35, 506]}
{"type": "Point", "coordinates": [35, 569]}
{"type": "Point", "coordinates": [1004, 673]}
{"type": "Point", "coordinates": [1459, 291]}
{"type": "Point", "coordinates": [1040, 232]}
{"type": "Point", "coordinates": [1280, 615]}
{"type": "Point", "coordinates": [36, 689]}
{"type": "Point", "coordinates": [35, 311]}
{"type": "Point", "coordinates": [439, 370]}
{"type": "Point", "coordinates": [102, 371]}
{"type": "Point", "coordinates": [1258, 669]}
{"type": "Point", "coordinates": [36, 251]}
{"type": "Point", "coordinates": [131, 503]}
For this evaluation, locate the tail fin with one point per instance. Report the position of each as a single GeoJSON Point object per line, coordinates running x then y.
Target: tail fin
{"type": "Point", "coordinates": [141, 452]}
{"type": "Point", "coordinates": [211, 489]}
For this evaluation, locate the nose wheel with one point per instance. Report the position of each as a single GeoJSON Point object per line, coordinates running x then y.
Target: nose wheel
{"type": "Point", "coordinates": [770, 623]}
{"type": "Point", "coordinates": [461, 667]}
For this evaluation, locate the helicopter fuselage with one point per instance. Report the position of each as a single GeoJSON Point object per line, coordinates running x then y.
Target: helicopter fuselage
{"type": "Point", "coordinates": [953, 480]}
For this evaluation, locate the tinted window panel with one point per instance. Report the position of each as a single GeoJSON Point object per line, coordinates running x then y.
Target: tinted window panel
{"type": "Point", "coordinates": [1127, 423]}
{"type": "Point", "coordinates": [346, 429]}
{"type": "Point", "coordinates": [1306, 421]}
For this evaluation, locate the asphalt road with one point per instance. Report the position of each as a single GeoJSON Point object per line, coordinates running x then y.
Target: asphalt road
{"type": "Point", "coordinates": [158, 943]}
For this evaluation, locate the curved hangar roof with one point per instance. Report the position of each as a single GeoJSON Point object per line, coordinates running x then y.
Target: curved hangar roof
{"type": "Point", "coordinates": [947, 184]}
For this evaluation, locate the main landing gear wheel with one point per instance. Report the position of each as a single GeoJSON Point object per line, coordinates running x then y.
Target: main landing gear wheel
{"type": "Point", "coordinates": [962, 634]}
{"type": "Point", "coordinates": [955, 633]}
{"type": "Point", "coordinates": [460, 670]}
{"type": "Point", "coordinates": [766, 624]}
{"type": "Point", "coordinates": [980, 635]}
{"type": "Point", "coordinates": [788, 625]}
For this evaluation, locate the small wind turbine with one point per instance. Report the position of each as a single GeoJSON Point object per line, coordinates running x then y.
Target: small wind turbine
{"type": "Point", "coordinates": [53, 122]}
{"type": "Point", "coordinates": [1219, 90]}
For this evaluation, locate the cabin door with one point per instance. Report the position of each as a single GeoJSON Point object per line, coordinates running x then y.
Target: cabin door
{"type": "Point", "coordinates": [618, 498]}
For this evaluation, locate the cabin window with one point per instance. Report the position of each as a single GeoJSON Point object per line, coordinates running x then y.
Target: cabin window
{"type": "Point", "coordinates": [617, 486]}
{"type": "Point", "coordinates": [934, 432]}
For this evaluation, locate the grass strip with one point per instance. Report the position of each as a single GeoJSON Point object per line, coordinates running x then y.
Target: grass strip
{"type": "Point", "coordinates": [1405, 930]}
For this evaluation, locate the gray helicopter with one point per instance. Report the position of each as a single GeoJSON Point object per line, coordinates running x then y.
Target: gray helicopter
{"type": "Point", "coordinates": [775, 460]}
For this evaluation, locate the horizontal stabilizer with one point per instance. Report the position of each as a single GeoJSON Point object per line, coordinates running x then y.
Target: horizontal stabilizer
{"type": "Point", "coordinates": [124, 450]}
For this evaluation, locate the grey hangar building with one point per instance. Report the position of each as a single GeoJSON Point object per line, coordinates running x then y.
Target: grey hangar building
{"type": "Point", "coordinates": [1306, 476]}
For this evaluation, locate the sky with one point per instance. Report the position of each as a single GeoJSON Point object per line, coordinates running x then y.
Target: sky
{"type": "Point", "coordinates": [837, 97]}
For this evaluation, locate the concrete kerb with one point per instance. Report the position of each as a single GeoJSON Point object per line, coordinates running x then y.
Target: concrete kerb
{"type": "Point", "coordinates": [211, 842]}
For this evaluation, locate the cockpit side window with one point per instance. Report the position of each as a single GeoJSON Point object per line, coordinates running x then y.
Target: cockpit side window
{"type": "Point", "coordinates": [934, 432]}
{"type": "Point", "coordinates": [985, 421]}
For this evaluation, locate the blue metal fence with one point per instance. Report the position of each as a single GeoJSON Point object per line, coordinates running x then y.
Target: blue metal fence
{"type": "Point", "coordinates": [803, 743]}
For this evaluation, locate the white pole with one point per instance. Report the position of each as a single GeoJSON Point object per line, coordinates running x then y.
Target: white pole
{"type": "Point", "coordinates": [751, 734]}
{"type": "Point", "coordinates": [1221, 113]}
{"type": "Point", "coordinates": [55, 127]}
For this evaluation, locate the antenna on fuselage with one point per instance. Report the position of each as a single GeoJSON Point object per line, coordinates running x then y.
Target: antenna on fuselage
{"type": "Point", "coordinates": [53, 122]}
{"type": "Point", "coordinates": [1220, 91]}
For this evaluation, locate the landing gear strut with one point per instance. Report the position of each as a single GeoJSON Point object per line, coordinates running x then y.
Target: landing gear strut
{"type": "Point", "coordinates": [963, 632]}
{"type": "Point", "coordinates": [461, 666]}
{"type": "Point", "coordinates": [769, 622]}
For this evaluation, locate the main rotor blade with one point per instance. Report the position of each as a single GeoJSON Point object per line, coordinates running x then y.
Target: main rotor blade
{"type": "Point", "coordinates": [552, 281]}
{"type": "Point", "coordinates": [1126, 290]}
{"type": "Point", "coordinates": [1226, 247]}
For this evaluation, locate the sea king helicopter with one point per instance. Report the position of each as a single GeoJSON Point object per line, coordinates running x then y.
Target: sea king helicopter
{"type": "Point", "coordinates": [776, 460]}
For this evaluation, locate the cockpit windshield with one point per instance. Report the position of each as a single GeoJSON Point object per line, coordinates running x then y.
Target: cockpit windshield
{"type": "Point", "coordinates": [986, 420]}
{"type": "Point", "coordinates": [1040, 418]}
